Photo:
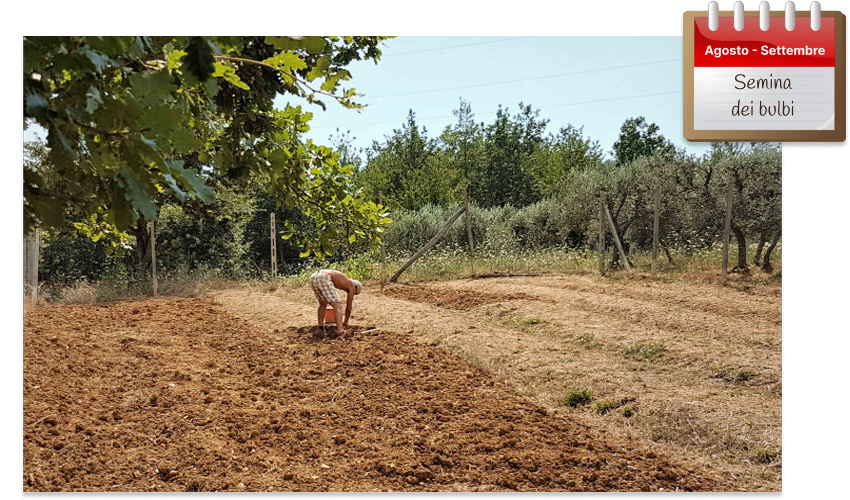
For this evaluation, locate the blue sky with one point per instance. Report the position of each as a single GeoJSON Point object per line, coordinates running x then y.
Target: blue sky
{"type": "Point", "coordinates": [411, 65]}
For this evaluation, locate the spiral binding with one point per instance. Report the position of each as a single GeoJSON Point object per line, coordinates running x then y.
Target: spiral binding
{"type": "Point", "coordinates": [764, 16]}
{"type": "Point", "coordinates": [815, 13]}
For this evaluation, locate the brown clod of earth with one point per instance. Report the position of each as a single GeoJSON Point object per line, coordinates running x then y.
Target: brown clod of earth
{"type": "Point", "coordinates": [200, 400]}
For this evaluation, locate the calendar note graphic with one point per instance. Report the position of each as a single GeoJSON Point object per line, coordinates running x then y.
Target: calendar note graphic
{"type": "Point", "coordinates": [756, 84]}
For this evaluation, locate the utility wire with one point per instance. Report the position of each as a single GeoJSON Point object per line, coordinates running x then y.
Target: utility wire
{"type": "Point", "coordinates": [454, 46]}
{"type": "Point", "coordinates": [494, 112]}
{"type": "Point", "coordinates": [504, 82]}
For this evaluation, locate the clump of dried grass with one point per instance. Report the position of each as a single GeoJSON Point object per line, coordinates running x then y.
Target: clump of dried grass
{"type": "Point", "coordinates": [685, 426]}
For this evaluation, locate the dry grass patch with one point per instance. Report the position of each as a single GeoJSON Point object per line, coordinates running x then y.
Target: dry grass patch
{"type": "Point", "coordinates": [645, 352]}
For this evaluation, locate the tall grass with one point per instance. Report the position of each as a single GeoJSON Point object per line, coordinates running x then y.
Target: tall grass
{"type": "Point", "coordinates": [456, 263]}
{"type": "Point", "coordinates": [178, 283]}
{"type": "Point", "coordinates": [441, 264]}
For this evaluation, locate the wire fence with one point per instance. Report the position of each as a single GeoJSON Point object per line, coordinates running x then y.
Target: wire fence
{"type": "Point", "coordinates": [187, 250]}
{"type": "Point", "coordinates": [177, 249]}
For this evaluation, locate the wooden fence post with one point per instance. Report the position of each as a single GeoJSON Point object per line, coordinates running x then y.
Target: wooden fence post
{"type": "Point", "coordinates": [655, 225]}
{"type": "Point", "coordinates": [153, 259]}
{"type": "Point", "coordinates": [428, 245]}
{"type": "Point", "coordinates": [383, 249]}
{"type": "Point", "coordinates": [469, 230]}
{"type": "Point", "coordinates": [617, 239]}
{"type": "Point", "coordinates": [726, 230]}
{"type": "Point", "coordinates": [273, 237]}
{"type": "Point", "coordinates": [602, 232]}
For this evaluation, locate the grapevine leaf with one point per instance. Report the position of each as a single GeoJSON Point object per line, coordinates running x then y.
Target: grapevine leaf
{"type": "Point", "coordinates": [184, 141]}
{"type": "Point", "coordinates": [172, 183]}
{"type": "Point", "coordinates": [212, 86]}
{"type": "Point", "coordinates": [228, 73]}
{"type": "Point", "coordinates": [286, 61]}
{"type": "Point", "coordinates": [36, 105]}
{"type": "Point", "coordinates": [114, 45]}
{"type": "Point", "coordinates": [284, 42]}
{"type": "Point", "coordinates": [192, 179]}
{"type": "Point", "coordinates": [51, 211]}
{"type": "Point", "coordinates": [314, 44]}
{"type": "Point", "coordinates": [199, 59]}
{"type": "Point", "coordinates": [173, 58]}
{"type": "Point", "coordinates": [150, 88]}
{"type": "Point", "coordinates": [93, 100]}
{"type": "Point", "coordinates": [136, 194]}
{"type": "Point", "coordinates": [99, 60]}
{"type": "Point", "coordinates": [162, 120]}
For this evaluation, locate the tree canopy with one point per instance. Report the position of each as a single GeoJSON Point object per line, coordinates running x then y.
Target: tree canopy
{"type": "Point", "coordinates": [640, 138]}
{"type": "Point", "coordinates": [131, 118]}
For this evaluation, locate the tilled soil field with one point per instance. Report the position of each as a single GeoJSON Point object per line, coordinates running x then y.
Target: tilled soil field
{"type": "Point", "coordinates": [690, 370]}
{"type": "Point", "coordinates": [451, 299]}
{"type": "Point", "coordinates": [180, 395]}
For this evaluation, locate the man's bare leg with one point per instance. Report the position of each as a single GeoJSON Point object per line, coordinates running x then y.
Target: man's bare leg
{"type": "Point", "coordinates": [338, 312]}
{"type": "Point", "coordinates": [323, 304]}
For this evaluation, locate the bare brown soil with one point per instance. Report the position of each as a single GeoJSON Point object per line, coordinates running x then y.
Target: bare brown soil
{"type": "Point", "coordinates": [451, 299]}
{"type": "Point", "coordinates": [689, 369]}
{"type": "Point", "coordinates": [190, 395]}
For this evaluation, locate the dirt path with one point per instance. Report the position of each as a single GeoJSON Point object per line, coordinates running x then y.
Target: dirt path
{"type": "Point", "coordinates": [691, 370]}
{"type": "Point", "coordinates": [237, 394]}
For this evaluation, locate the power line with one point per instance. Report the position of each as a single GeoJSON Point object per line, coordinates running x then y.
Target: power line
{"type": "Point", "coordinates": [504, 82]}
{"type": "Point", "coordinates": [494, 112]}
{"type": "Point", "coordinates": [611, 99]}
{"type": "Point", "coordinates": [454, 46]}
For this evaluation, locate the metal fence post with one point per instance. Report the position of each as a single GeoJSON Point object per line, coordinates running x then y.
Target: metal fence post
{"type": "Point", "coordinates": [726, 230]}
{"type": "Point", "coordinates": [154, 278]}
{"type": "Point", "coordinates": [37, 256]}
{"type": "Point", "coordinates": [655, 225]}
{"type": "Point", "coordinates": [383, 249]}
{"type": "Point", "coordinates": [273, 248]}
{"type": "Point", "coordinates": [469, 230]}
{"type": "Point", "coordinates": [601, 232]}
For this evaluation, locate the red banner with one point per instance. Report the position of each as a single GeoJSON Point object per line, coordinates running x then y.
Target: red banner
{"type": "Point", "coordinates": [776, 47]}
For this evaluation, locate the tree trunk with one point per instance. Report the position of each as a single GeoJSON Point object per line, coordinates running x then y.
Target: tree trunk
{"type": "Point", "coordinates": [142, 250]}
{"type": "Point", "coordinates": [667, 253]}
{"type": "Point", "coordinates": [759, 249]}
{"type": "Point", "coordinates": [766, 266]}
{"type": "Point", "coordinates": [742, 266]}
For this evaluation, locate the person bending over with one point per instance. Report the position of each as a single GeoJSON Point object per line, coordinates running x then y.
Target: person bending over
{"type": "Point", "coordinates": [325, 284]}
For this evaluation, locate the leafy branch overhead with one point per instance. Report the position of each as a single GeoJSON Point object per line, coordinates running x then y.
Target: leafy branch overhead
{"type": "Point", "coordinates": [131, 120]}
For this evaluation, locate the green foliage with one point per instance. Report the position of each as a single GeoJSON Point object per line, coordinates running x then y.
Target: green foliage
{"type": "Point", "coordinates": [509, 161]}
{"type": "Point", "coordinates": [568, 151]}
{"type": "Point", "coordinates": [508, 143]}
{"type": "Point", "coordinates": [407, 171]}
{"type": "Point", "coordinates": [578, 397]}
{"type": "Point", "coordinates": [605, 406]}
{"type": "Point", "coordinates": [123, 113]}
{"type": "Point", "coordinates": [637, 139]}
{"type": "Point", "coordinates": [67, 258]}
